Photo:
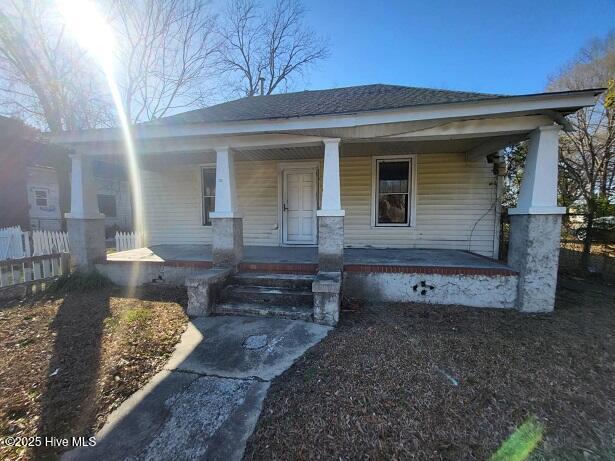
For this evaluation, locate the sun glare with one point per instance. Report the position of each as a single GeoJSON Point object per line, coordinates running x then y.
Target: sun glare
{"type": "Point", "coordinates": [89, 28]}
{"type": "Point", "coordinates": [93, 33]}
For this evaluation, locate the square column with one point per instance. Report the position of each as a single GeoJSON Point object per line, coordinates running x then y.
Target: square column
{"type": "Point", "coordinates": [227, 223]}
{"type": "Point", "coordinates": [85, 224]}
{"type": "Point", "coordinates": [535, 224]}
{"type": "Point", "coordinates": [330, 215]}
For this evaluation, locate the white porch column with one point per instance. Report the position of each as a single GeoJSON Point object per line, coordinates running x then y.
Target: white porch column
{"type": "Point", "coordinates": [538, 193]}
{"type": "Point", "coordinates": [227, 223]}
{"type": "Point", "coordinates": [331, 200]}
{"type": "Point", "coordinates": [85, 224]}
{"type": "Point", "coordinates": [536, 224]}
{"type": "Point", "coordinates": [331, 215]}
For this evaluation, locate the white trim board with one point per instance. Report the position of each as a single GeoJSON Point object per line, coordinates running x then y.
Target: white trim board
{"type": "Point", "coordinates": [413, 175]}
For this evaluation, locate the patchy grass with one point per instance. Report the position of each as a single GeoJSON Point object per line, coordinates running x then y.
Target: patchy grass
{"type": "Point", "coordinates": [67, 360]}
{"type": "Point", "coordinates": [448, 383]}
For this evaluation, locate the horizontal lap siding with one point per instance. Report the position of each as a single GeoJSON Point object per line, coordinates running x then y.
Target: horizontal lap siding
{"type": "Point", "coordinates": [257, 193]}
{"type": "Point", "coordinates": [452, 196]}
{"type": "Point", "coordinates": [172, 206]}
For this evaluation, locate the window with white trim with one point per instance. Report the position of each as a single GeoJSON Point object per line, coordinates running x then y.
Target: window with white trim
{"type": "Point", "coordinates": [41, 197]}
{"type": "Point", "coordinates": [208, 188]}
{"type": "Point", "coordinates": [393, 191]}
{"type": "Point", "coordinates": [107, 205]}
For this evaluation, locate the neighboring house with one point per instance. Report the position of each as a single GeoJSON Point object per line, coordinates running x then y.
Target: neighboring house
{"type": "Point", "coordinates": [112, 193]}
{"type": "Point", "coordinates": [390, 170]}
{"type": "Point", "coordinates": [35, 186]}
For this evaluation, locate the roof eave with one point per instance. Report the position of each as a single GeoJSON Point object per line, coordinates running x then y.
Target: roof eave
{"type": "Point", "coordinates": [565, 102]}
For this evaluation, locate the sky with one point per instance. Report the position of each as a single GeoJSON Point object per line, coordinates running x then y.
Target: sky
{"type": "Point", "coordinates": [497, 46]}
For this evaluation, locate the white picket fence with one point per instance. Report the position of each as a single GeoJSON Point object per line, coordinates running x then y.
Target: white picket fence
{"type": "Point", "coordinates": [16, 244]}
{"type": "Point", "coordinates": [32, 273]}
{"type": "Point", "coordinates": [128, 241]}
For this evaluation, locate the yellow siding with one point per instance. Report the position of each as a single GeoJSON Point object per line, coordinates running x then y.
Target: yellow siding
{"type": "Point", "coordinates": [172, 206]}
{"type": "Point", "coordinates": [453, 197]}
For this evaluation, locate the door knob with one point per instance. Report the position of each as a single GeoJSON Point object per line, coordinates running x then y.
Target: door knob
{"type": "Point", "coordinates": [284, 207]}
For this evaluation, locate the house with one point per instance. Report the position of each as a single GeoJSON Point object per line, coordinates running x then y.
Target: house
{"type": "Point", "coordinates": [384, 192]}
{"type": "Point", "coordinates": [35, 186]}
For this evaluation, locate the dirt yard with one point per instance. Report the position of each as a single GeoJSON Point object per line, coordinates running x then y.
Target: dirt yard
{"type": "Point", "coordinates": [421, 382]}
{"type": "Point", "coordinates": [67, 362]}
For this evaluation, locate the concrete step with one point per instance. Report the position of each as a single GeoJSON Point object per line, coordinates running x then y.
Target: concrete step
{"type": "Point", "coordinates": [271, 296]}
{"type": "Point", "coordinates": [263, 279]}
{"type": "Point", "coordinates": [262, 310]}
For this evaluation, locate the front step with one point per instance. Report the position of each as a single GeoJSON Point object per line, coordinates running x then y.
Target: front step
{"type": "Point", "coordinates": [298, 281]}
{"type": "Point", "coordinates": [262, 310]}
{"type": "Point", "coordinates": [272, 296]}
{"type": "Point", "coordinates": [286, 296]}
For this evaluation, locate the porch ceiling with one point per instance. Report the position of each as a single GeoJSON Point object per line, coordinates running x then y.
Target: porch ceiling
{"type": "Point", "coordinates": [347, 149]}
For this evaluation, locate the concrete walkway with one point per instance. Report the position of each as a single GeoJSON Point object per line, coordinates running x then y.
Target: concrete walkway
{"type": "Point", "coordinates": [207, 400]}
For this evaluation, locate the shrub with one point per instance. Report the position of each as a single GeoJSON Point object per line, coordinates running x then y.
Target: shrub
{"type": "Point", "coordinates": [80, 281]}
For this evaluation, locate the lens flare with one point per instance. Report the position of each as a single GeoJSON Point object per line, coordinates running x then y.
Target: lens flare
{"type": "Point", "coordinates": [94, 34]}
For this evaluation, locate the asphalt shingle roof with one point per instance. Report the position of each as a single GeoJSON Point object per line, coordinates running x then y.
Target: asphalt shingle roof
{"type": "Point", "coordinates": [324, 102]}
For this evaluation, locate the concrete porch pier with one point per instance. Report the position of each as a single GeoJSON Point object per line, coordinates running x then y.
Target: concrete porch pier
{"type": "Point", "coordinates": [535, 224]}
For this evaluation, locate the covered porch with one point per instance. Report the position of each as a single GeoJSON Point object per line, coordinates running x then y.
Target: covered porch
{"type": "Point", "coordinates": [393, 199]}
{"type": "Point", "coordinates": [306, 259]}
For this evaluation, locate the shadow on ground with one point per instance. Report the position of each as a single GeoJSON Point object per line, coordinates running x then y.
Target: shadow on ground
{"type": "Point", "coordinates": [207, 400]}
{"type": "Point", "coordinates": [69, 398]}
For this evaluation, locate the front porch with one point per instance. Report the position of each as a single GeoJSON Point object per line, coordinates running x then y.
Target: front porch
{"type": "Point", "coordinates": [305, 259]}
{"type": "Point", "coordinates": [434, 276]}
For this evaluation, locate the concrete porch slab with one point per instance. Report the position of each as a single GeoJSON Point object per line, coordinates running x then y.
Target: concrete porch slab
{"type": "Point", "coordinates": [309, 255]}
{"type": "Point", "coordinates": [207, 400]}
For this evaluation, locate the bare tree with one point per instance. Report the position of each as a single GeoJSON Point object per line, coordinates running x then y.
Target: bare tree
{"type": "Point", "coordinates": [165, 53]}
{"type": "Point", "coordinates": [163, 50]}
{"type": "Point", "coordinates": [45, 78]}
{"type": "Point", "coordinates": [587, 153]}
{"type": "Point", "coordinates": [265, 50]}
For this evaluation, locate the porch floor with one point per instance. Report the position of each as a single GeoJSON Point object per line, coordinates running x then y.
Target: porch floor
{"type": "Point", "coordinates": [309, 255]}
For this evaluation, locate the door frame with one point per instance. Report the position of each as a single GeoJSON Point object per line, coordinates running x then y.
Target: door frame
{"type": "Point", "coordinates": [313, 166]}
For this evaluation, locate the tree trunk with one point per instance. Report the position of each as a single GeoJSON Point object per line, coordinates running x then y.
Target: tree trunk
{"type": "Point", "coordinates": [587, 242]}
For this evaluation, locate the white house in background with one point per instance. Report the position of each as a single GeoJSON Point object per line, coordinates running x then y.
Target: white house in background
{"type": "Point", "coordinates": [112, 193]}
{"type": "Point", "coordinates": [394, 191]}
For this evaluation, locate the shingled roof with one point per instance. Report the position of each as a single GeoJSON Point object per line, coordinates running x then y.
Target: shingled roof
{"type": "Point", "coordinates": [324, 102]}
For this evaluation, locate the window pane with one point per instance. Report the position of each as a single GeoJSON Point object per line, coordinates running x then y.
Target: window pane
{"type": "Point", "coordinates": [394, 186]}
{"type": "Point", "coordinates": [209, 205]}
{"type": "Point", "coordinates": [209, 181]}
{"type": "Point", "coordinates": [392, 209]}
{"type": "Point", "coordinates": [394, 171]}
{"type": "Point", "coordinates": [106, 205]}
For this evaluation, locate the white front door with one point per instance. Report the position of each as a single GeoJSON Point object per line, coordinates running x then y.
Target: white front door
{"type": "Point", "coordinates": [299, 206]}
